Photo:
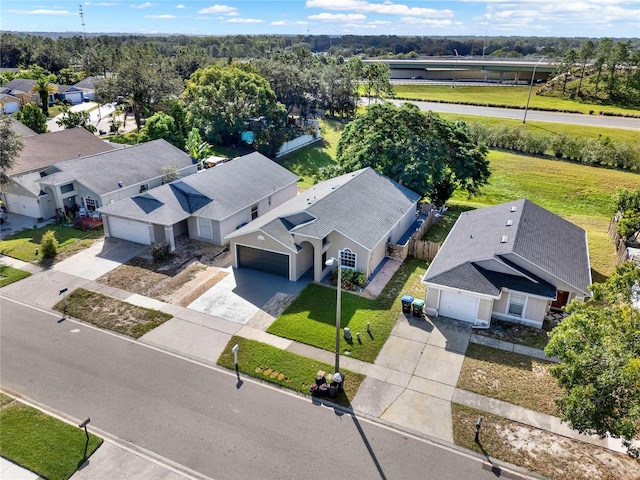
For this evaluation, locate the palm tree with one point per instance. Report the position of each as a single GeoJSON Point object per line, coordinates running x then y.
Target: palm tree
{"type": "Point", "coordinates": [43, 88]}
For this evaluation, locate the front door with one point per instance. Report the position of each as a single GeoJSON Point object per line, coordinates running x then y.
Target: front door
{"type": "Point", "coordinates": [561, 299]}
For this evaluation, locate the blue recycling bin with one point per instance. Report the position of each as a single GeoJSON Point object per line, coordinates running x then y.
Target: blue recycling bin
{"type": "Point", "coordinates": [407, 300]}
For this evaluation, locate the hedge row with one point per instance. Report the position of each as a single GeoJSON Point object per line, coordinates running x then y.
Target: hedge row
{"type": "Point", "coordinates": [591, 151]}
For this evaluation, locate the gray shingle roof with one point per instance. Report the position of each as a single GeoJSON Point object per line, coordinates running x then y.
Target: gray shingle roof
{"type": "Point", "coordinates": [131, 165]}
{"type": "Point", "coordinates": [21, 128]}
{"type": "Point", "coordinates": [363, 206]}
{"type": "Point", "coordinates": [536, 235]}
{"type": "Point", "coordinates": [88, 83]}
{"type": "Point", "coordinates": [50, 148]}
{"type": "Point", "coordinates": [215, 193]}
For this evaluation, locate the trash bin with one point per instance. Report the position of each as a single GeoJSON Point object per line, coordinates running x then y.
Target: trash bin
{"type": "Point", "coordinates": [406, 303]}
{"type": "Point", "coordinates": [418, 306]}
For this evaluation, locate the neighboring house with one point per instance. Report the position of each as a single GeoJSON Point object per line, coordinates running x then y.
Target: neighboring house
{"type": "Point", "coordinates": [207, 206]}
{"type": "Point", "coordinates": [23, 194]}
{"type": "Point", "coordinates": [513, 262]}
{"type": "Point", "coordinates": [97, 180]}
{"type": "Point", "coordinates": [71, 94]}
{"type": "Point", "coordinates": [9, 103]}
{"type": "Point", "coordinates": [351, 217]}
{"type": "Point", "coordinates": [21, 88]}
{"type": "Point", "coordinates": [88, 87]}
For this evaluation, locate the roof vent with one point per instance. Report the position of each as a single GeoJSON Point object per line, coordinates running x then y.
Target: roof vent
{"type": "Point", "coordinates": [504, 239]}
{"type": "Point", "coordinates": [509, 222]}
{"type": "Point", "coordinates": [514, 208]}
{"type": "Point", "coordinates": [120, 184]}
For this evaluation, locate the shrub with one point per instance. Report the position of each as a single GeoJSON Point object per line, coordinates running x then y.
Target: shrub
{"type": "Point", "coordinates": [351, 279]}
{"type": "Point", "coordinates": [160, 251]}
{"type": "Point", "coordinates": [49, 244]}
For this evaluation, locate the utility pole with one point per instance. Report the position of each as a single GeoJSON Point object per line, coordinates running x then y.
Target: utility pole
{"type": "Point", "coordinates": [82, 21]}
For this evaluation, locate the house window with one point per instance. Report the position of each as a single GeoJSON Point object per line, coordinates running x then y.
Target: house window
{"type": "Point", "coordinates": [324, 258]}
{"type": "Point", "coordinates": [348, 259]}
{"type": "Point", "coordinates": [254, 211]}
{"type": "Point", "coordinates": [204, 228]}
{"type": "Point", "coordinates": [324, 241]}
{"type": "Point", "coordinates": [144, 187]}
{"type": "Point", "coordinates": [269, 200]}
{"type": "Point", "coordinates": [516, 305]}
{"type": "Point", "coordinates": [66, 188]}
{"type": "Point", "coordinates": [90, 203]}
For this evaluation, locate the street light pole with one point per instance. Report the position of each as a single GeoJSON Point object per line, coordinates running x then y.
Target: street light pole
{"type": "Point", "coordinates": [331, 262]}
{"type": "Point", "coordinates": [533, 76]}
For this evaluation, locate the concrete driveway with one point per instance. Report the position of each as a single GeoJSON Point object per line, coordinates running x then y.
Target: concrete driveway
{"type": "Point", "coordinates": [16, 222]}
{"type": "Point", "coordinates": [100, 258]}
{"type": "Point", "coordinates": [244, 293]}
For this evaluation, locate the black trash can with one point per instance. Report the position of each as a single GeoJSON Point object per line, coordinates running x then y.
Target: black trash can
{"type": "Point", "coordinates": [407, 300]}
{"type": "Point", "coordinates": [418, 306]}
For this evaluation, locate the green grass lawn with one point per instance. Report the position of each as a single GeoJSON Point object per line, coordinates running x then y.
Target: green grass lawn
{"type": "Point", "coordinates": [9, 275]}
{"type": "Point", "coordinates": [508, 96]}
{"type": "Point", "coordinates": [307, 161]}
{"type": "Point", "coordinates": [284, 368]}
{"type": "Point", "coordinates": [311, 317]}
{"type": "Point", "coordinates": [579, 131]}
{"type": "Point", "coordinates": [439, 231]}
{"type": "Point", "coordinates": [47, 446]}
{"type": "Point", "coordinates": [510, 377]}
{"type": "Point", "coordinates": [23, 244]}
{"type": "Point", "coordinates": [111, 313]}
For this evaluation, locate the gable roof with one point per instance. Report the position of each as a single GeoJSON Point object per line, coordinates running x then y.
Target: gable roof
{"type": "Point", "coordinates": [536, 236]}
{"type": "Point", "coordinates": [49, 148]}
{"type": "Point", "coordinates": [215, 193]}
{"type": "Point", "coordinates": [88, 83]}
{"type": "Point", "coordinates": [24, 85]}
{"type": "Point", "coordinates": [363, 206]}
{"type": "Point", "coordinates": [131, 165]}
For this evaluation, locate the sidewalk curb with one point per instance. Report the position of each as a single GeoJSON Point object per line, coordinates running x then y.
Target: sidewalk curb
{"type": "Point", "coordinates": [108, 437]}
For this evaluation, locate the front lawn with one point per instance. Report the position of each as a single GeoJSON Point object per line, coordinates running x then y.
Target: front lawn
{"type": "Point", "coordinates": [537, 450]}
{"type": "Point", "coordinates": [9, 275]}
{"type": "Point", "coordinates": [23, 244]}
{"type": "Point", "coordinates": [311, 318]}
{"type": "Point", "coordinates": [510, 377]}
{"type": "Point", "coordinates": [284, 368]}
{"type": "Point", "coordinates": [47, 446]}
{"type": "Point", "coordinates": [111, 313]}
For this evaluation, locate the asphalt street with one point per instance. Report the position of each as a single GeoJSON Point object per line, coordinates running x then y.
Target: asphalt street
{"type": "Point", "coordinates": [532, 115]}
{"type": "Point", "coordinates": [200, 416]}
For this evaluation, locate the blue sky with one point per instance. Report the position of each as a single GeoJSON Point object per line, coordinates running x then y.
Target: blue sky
{"type": "Point", "coordinates": [567, 18]}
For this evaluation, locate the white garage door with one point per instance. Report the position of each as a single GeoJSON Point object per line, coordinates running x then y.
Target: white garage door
{"type": "Point", "coordinates": [131, 230]}
{"type": "Point", "coordinates": [458, 306]}
{"type": "Point", "coordinates": [22, 205]}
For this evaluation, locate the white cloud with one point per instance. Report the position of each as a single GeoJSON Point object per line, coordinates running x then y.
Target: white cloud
{"type": "Point", "coordinates": [180, 6]}
{"type": "Point", "coordinates": [244, 20]}
{"type": "Point", "coordinates": [425, 21]}
{"type": "Point", "coordinates": [100, 4]}
{"type": "Point", "coordinates": [42, 11]}
{"type": "Point", "coordinates": [203, 17]}
{"type": "Point", "coordinates": [338, 17]}
{"type": "Point", "coordinates": [142, 5]}
{"type": "Point", "coordinates": [160, 16]}
{"type": "Point", "coordinates": [289, 22]}
{"type": "Point", "coordinates": [219, 10]}
{"type": "Point", "coordinates": [385, 8]}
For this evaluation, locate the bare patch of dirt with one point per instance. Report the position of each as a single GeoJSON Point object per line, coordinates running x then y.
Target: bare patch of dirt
{"type": "Point", "coordinates": [161, 279]}
{"type": "Point", "coordinates": [552, 455]}
{"type": "Point", "coordinates": [192, 290]}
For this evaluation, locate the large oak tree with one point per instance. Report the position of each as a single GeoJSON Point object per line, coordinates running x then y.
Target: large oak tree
{"type": "Point", "coordinates": [423, 151]}
{"type": "Point", "coordinates": [598, 345]}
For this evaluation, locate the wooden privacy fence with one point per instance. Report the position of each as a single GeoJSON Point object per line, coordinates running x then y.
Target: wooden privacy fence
{"type": "Point", "coordinates": [416, 247]}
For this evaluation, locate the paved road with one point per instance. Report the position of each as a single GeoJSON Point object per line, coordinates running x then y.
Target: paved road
{"type": "Point", "coordinates": [532, 115]}
{"type": "Point", "coordinates": [194, 415]}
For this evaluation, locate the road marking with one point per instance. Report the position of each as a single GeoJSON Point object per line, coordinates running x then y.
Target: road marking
{"type": "Point", "coordinates": [75, 330]}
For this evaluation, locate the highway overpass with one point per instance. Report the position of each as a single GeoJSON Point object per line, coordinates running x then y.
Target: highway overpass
{"type": "Point", "coordinates": [469, 69]}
